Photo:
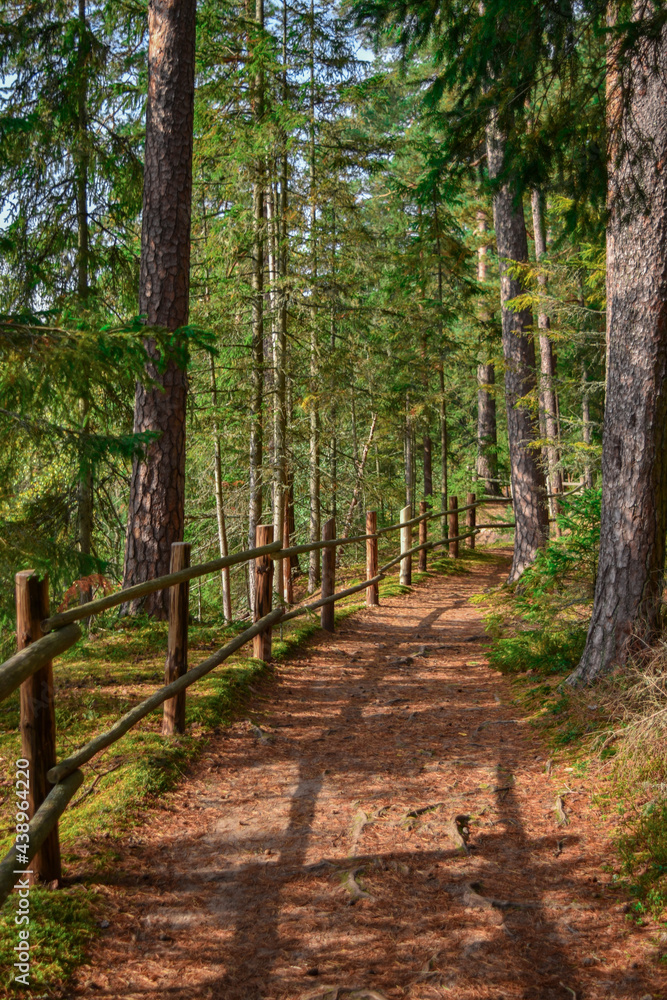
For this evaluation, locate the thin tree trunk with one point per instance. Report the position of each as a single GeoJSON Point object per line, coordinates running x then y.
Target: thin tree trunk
{"type": "Point", "coordinates": [358, 483]}
{"type": "Point", "coordinates": [586, 430]}
{"type": "Point", "coordinates": [314, 447]}
{"type": "Point", "coordinates": [407, 454]}
{"type": "Point", "coordinates": [528, 482]}
{"type": "Point", "coordinates": [487, 434]}
{"type": "Point", "coordinates": [547, 363]}
{"type": "Point", "coordinates": [157, 488]}
{"type": "Point", "coordinates": [630, 579]}
{"type": "Point", "coordinates": [444, 444]}
{"type": "Point", "coordinates": [225, 580]}
{"type": "Point", "coordinates": [85, 485]}
{"type": "Point", "coordinates": [255, 483]}
{"type": "Point", "coordinates": [428, 467]}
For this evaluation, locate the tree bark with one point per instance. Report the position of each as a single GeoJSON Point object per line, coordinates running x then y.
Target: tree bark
{"type": "Point", "coordinates": [85, 485]}
{"type": "Point", "coordinates": [257, 363]}
{"type": "Point", "coordinates": [630, 578]}
{"type": "Point", "coordinates": [487, 434]}
{"type": "Point", "coordinates": [157, 488]}
{"type": "Point", "coordinates": [586, 430]}
{"type": "Point", "coordinates": [314, 445]}
{"type": "Point", "coordinates": [225, 579]}
{"type": "Point", "coordinates": [547, 362]}
{"type": "Point", "coordinates": [528, 483]}
{"type": "Point", "coordinates": [408, 458]}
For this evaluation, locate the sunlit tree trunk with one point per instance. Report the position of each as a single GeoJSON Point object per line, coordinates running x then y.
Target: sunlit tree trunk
{"type": "Point", "coordinates": [256, 457]}
{"type": "Point", "coordinates": [219, 500]}
{"type": "Point", "coordinates": [314, 444]}
{"type": "Point", "coordinates": [630, 578]}
{"type": "Point", "coordinates": [487, 434]}
{"type": "Point", "coordinates": [157, 487]}
{"type": "Point", "coordinates": [547, 363]}
{"type": "Point", "coordinates": [528, 482]}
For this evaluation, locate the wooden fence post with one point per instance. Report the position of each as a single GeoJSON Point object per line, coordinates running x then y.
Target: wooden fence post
{"type": "Point", "coordinates": [405, 576]}
{"type": "Point", "coordinates": [261, 644]}
{"type": "Point", "coordinates": [288, 584]}
{"type": "Point", "coordinates": [38, 718]}
{"type": "Point", "coordinates": [173, 717]}
{"type": "Point", "coordinates": [328, 574]}
{"type": "Point", "coordinates": [423, 535]}
{"type": "Point", "coordinates": [453, 526]}
{"type": "Point", "coordinates": [471, 518]}
{"type": "Point", "coordinates": [372, 563]}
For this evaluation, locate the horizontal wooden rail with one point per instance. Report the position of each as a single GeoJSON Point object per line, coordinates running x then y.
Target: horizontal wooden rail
{"type": "Point", "coordinates": [498, 524]}
{"type": "Point", "coordinates": [57, 621]}
{"type": "Point", "coordinates": [28, 661]}
{"type": "Point", "coordinates": [445, 540]}
{"type": "Point", "coordinates": [40, 826]}
{"type": "Point", "coordinates": [406, 524]}
{"type": "Point", "coordinates": [150, 586]}
{"type": "Point", "coordinates": [130, 719]}
{"type": "Point", "coordinates": [332, 598]}
{"type": "Point", "coordinates": [328, 543]}
{"type": "Point", "coordinates": [403, 555]}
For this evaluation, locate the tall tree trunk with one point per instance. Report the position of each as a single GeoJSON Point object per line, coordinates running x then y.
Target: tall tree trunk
{"type": "Point", "coordinates": [444, 443]}
{"type": "Point", "coordinates": [255, 484]}
{"type": "Point", "coordinates": [314, 444]}
{"type": "Point", "coordinates": [361, 465]}
{"type": "Point", "coordinates": [225, 580]}
{"type": "Point", "coordinates": [586, 429]}
{"type": "Point", "coordinates": [630, 578]}
{"type": "Point", "coordinates": [407, 456]}
{"type": "Point", "coordinates": [332, 319]}
{"type": "Point", "coordinates": [528, 482]}
{"type": "Point", "coordinates": [428, 467]}
{"type": "Point", "coordinates": [487, 434]}
{"type": "Point", "coordinates": [157, 488]}
{"type": "Point", "coordinates": [547, 362]}
{"type": "Point", "coordinates": [85, 485]}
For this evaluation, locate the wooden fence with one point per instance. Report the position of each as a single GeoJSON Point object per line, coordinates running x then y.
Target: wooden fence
{"type": "Point", "coordinates": [41, 637]}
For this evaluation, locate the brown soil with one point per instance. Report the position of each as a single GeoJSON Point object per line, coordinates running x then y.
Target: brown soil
{"type": "Point", "coordinates": [320, 855]}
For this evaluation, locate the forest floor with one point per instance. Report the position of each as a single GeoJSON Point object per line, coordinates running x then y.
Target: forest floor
{"type": "Point", "coordinates": [318, 847]}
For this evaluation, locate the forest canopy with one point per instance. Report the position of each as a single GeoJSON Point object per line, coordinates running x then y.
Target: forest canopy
{"type": "Point", "coordinates": [277, 262]}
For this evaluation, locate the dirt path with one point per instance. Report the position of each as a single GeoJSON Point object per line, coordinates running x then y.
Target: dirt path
{"type": "Point", "coordinates": [322, 853]}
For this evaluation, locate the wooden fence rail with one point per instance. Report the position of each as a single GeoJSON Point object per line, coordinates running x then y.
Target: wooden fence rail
{"type": "Point", "coordinates": [42, 637]}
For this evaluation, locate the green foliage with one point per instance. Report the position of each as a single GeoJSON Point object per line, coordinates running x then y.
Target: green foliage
{"type": "Point", "coordinates": [62, 928]}
{"type": "Point", "coordinates": [540, 650]}
{"type": "Point", "coordinates": [643, 852]}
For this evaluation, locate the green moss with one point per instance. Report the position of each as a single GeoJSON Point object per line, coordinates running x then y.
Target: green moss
{"type": "Point", "coordinates": [643, 852]}
{"type": "Point", "coordinates": [62, 926]}
{"type": "Point", "coordinates": [543, 650]}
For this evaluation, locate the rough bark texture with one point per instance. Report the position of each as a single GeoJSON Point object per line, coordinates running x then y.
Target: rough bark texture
{"type": "Point", "coordinates": [176, 663]}
{"type": "Point", "coordinates": [487, 460]}
{"type": "Point", "coordinates": [38, 719]}
{"type": "Point", "coordinates": [528, 483]}
{"type": "Point", "coordinates": [257, 367]}
{"type": "Point", "coordinates": [630, 576]}
{"type": "Point", "coordinates": [225, 579]}
{"type": "Point", "coordinates": [586, 430]}
{"type": "Point", "coordinates": [157, 490]}
{"type": "Point", "coordinates": [487, 436]}
{"type": "Point", "coordinates": [547, 362]}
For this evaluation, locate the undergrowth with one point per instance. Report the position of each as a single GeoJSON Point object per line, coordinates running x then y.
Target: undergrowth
{"type": "Point", "coordinates": [618, 728]}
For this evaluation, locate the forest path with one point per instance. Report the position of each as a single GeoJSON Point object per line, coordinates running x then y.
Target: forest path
{"type": "Point", "coordinates": [243, 886]}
